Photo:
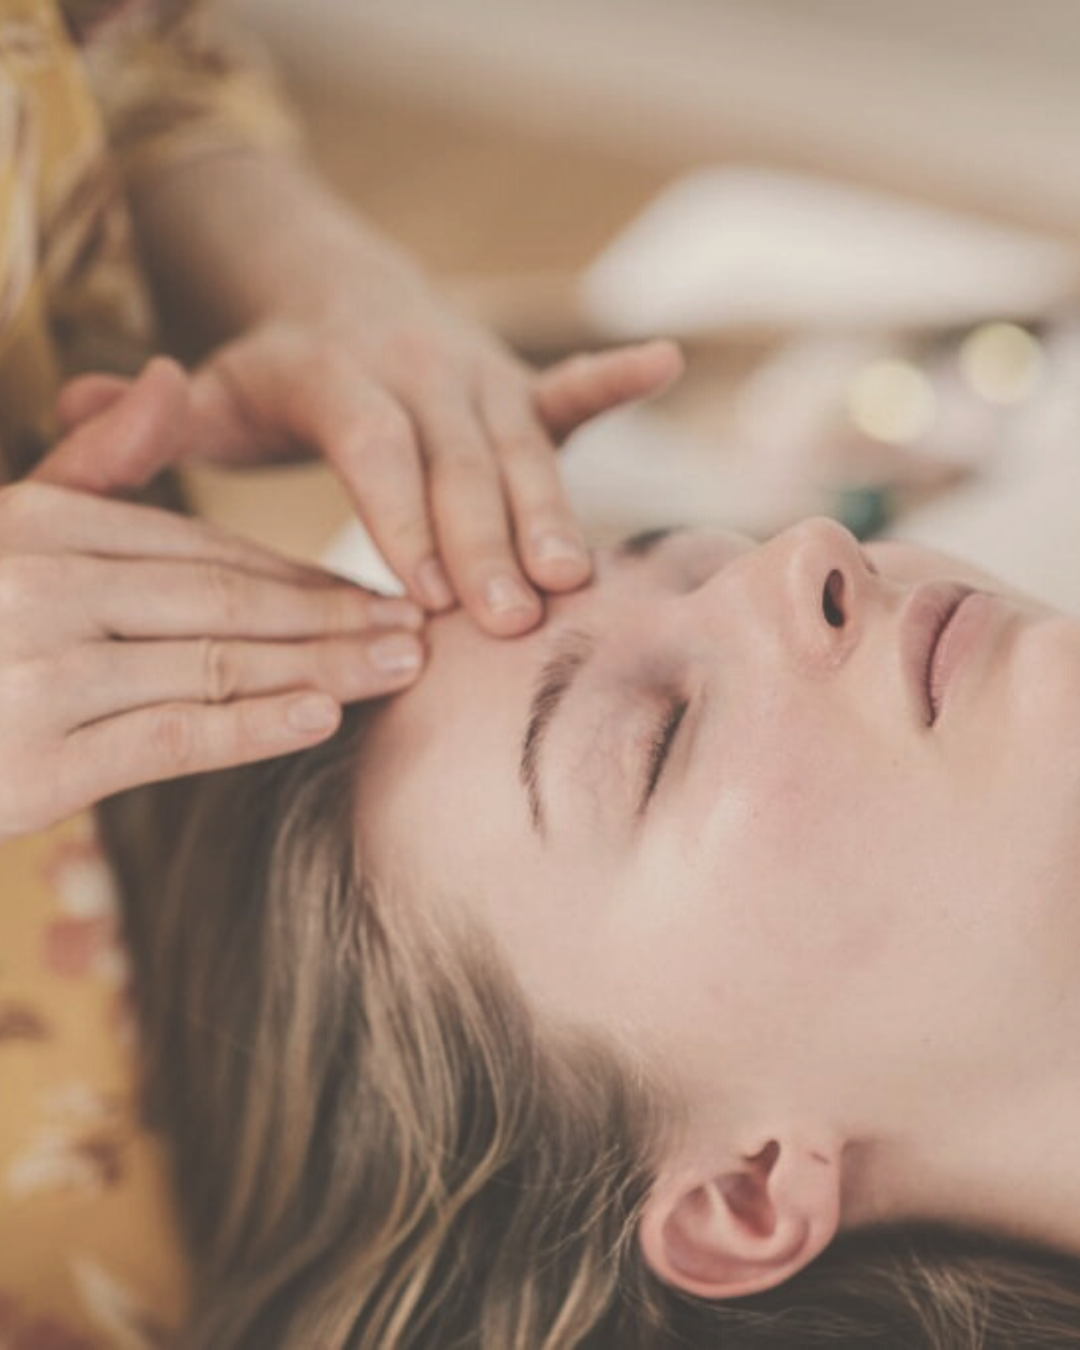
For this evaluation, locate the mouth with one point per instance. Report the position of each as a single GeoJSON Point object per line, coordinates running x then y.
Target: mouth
{"type": "Point", "coordinates": [924, 624]}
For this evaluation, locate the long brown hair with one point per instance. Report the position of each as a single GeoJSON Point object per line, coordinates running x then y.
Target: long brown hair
{"type": "Point", "coordinates": [377, 1147]}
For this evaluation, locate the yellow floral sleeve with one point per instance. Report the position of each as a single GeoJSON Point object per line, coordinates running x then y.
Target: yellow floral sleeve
{"type": "Point", "coordinates": [174, 81]}
{"type": "Point", "coordinates": [95, 94]}
{"type": "Point", "coordinates": [88, 1253]}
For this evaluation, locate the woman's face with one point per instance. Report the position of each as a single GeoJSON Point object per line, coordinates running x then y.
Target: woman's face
{"type": "Point", "coordinates": [712, 809]}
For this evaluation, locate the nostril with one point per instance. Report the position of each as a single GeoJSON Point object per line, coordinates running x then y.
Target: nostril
{"type": "Point", "coordinates": [831, 598]}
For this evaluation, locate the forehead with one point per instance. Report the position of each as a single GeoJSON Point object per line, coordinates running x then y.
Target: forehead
{"type": "Point", "coordinates": [456, 733]}
{"type": "Point", "coordinates": [463, 660]}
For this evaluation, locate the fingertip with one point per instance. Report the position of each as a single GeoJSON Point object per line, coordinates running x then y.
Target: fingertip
{"type": "Point", "coordinates": [397, 657]}
{"type": "Point", "coordinates": [564, 576]}
{"type": "Point", "coordinates": [507, 607]}
{"type": "Point", "coordinates": [559, 562]}
{"type": "Point", "coordinates": [312, 716]}
{"type": "Point", "coordinates": [670, 348]}
{"type": "Point", "coordinates": [432, 586]}
{"type": "Point", "coordinates": [157, 394]}
{"type": "Point", "coordinates": [508, 625]}
{"type": "Point", "coordinates": [160, 368]}
{"type": "Point", "coordinates": [666, 360]}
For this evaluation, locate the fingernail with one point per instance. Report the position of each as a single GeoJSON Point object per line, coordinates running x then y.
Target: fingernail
{"type": "Point", "coordinates": [558, 548]}
{"type": "Point", "coordinates": [312, 713]}
{"type": "Point", "coordinates": [398, 654]}
{"type": "Point", "coordinates": [504, 595]}
{"type": "Point", "coordinates": [393, 613]}
{"type": "Point", "coordinates": [434, 586]}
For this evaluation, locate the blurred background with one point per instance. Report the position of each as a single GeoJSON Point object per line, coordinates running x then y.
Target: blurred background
{"type": "Point", "coordinates": [862, 219]}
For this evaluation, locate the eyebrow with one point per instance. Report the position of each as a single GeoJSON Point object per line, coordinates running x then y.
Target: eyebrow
{"type": "Point", "coordinates": [573, 649]}
{"type": "Point", "coordinates": [572, 652]}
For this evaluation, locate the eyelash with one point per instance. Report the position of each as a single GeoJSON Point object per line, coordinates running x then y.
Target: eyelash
{"type": "Point", "coordinates": [660, 748]}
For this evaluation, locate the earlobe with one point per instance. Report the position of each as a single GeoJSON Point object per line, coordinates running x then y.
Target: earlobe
{"type": "Point", "coordinates": [736, 1230]}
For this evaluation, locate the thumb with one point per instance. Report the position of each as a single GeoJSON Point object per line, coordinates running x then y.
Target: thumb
{"type": "Point", "coordinates": [240, 410]}
{"type": "Point", "coordinates": [137, 431]}
{"type": "Point", "coordinates": [87, 395]}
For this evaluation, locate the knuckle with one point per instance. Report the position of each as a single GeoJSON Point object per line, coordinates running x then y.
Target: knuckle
{"type": "Point", "coordinates": [346, 610]}
{"type": "Point", "coordinates": [173, 737]}
{"type": "Point", "coordinates": [519, 445]}
{"type": "Point", "coordinates": [219, 671]}
{"type": "Point", "coordinates": [417, 355]}
{"type": "Point", "coordinates": [388, 424]}
{"type": "Point", "coordinates": [379, 443]}
{"type": "Point", "coordinates": [25, 813]}
{"type": "Point", "coordinates": [77, 668]}
{"type": "Point", "coordinates": [484, 554]}
{"type": "Point", "coordinates": [541, 504]}
{"type": "Point", "coordinates": [331, 610]}
{"type": "Point", "coordinates": [462, 470]}
{"type": "Point", "coordinates": [501, 370]}
{"type": "Point", "coordinates": [407, 537]}
{"type": "Point", "coordinates": [12, 587]}
{"type": "Point", "coordinates": [22, 686]}
{"type": "Point", "coordinates": [22, 506]}
{"type": "Point", "coordinates": [317, 359]}
{"type": "Point", "coordinates": [334, 666]}
{"type": "Point", "coordinates": [225, 588]}
{"type": "Point", "coordinates": [27, 581]}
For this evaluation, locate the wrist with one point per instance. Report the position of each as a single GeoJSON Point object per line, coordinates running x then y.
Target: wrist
{"type": "Point", "coordinates": [339, 267]}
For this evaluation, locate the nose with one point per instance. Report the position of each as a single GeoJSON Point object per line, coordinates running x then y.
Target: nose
{"type": "Point", "coordinates": [824, 580]}
{"type": "Point", "coordinates": [808, 588]}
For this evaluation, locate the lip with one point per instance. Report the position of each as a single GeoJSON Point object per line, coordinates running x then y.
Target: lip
{"type": "Point", "coordinates": [928, 654]}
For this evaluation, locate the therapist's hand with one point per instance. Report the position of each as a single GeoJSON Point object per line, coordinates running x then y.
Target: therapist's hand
{"type": "Point", "coordinates": [444, 440]}
{"type": "Point", "coordinates": [137, 645]}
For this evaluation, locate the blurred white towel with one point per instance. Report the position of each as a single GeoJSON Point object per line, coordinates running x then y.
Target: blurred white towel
{"type": "Point", "coordinates": [723, 248]}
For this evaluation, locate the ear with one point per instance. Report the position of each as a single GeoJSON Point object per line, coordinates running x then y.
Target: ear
{"type": "Point", "coordinates": [740, 1230]}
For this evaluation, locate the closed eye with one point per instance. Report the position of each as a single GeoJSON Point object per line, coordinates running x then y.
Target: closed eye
{"type": "Point", "coordinates": [660, 749]}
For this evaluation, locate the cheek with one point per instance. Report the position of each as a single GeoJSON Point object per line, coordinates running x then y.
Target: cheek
{"type": "Point", "coordinates": [819, 862]}
{"type": "Point", "coordinates": [1035, 770]}
{"type": "Point", "coordinates": [1042, 690]}
{"type": "Point", "coordinates": [877, 880]}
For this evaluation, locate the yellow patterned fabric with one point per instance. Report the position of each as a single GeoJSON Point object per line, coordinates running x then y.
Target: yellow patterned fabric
{"type": "Point", "coordinates": [93, 95]}
{"type": "Point", "coordinates": [88, 1255]}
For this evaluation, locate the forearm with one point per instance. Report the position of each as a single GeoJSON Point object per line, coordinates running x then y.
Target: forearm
{"type": "Point", "coordinates": [234, 238]}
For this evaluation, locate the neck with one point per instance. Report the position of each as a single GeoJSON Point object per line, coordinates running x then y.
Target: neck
{"type": "Point", "coordinates": [1008, 1166]}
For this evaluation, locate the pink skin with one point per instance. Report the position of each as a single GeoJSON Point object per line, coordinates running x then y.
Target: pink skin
{"type": "Point", "coordinates": [838, 928]}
